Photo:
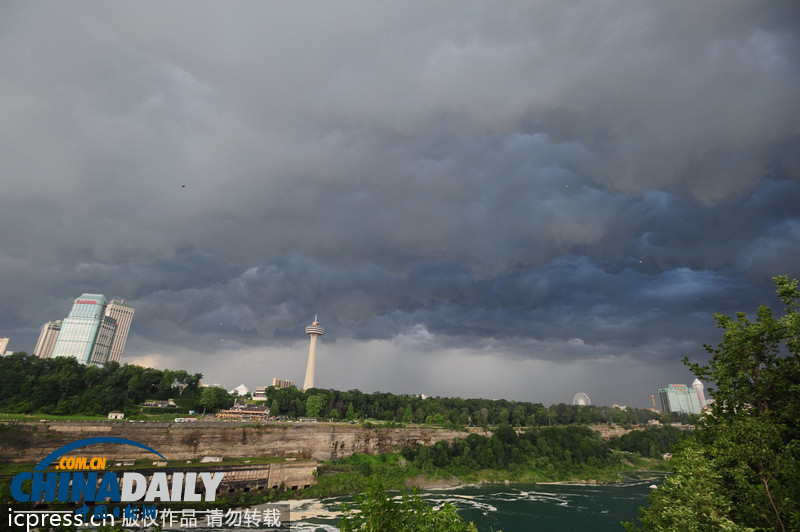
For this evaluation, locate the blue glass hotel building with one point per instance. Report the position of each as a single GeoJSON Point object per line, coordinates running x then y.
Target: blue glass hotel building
{"type": "Point", "coordinates": [87, 333]}
{"type": "Point", "coordinates": [680, 398]}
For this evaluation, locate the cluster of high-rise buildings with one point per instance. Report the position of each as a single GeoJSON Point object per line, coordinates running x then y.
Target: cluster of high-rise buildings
{"type": "Point", "coordinates": [94, 332]}
{"type": "Point", "coordinates": [680, 398]}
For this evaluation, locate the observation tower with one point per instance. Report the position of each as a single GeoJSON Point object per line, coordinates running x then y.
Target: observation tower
{"type": "Point", "coordinates": [314, 330]}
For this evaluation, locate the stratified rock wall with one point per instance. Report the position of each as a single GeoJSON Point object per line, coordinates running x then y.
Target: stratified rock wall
{"type": "Point", "coordinates": [30, 442]}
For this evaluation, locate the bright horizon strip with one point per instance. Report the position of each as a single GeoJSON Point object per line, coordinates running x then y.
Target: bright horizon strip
{"type": "Point", "coordinates": [91, 441]}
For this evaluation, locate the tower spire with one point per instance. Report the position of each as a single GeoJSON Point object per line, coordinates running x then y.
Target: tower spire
{"type": "Point", "coordinates": [314, 331]}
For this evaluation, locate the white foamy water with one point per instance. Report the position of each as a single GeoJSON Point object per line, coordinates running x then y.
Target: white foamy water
{"type": "Point", "coordinates": [511, 508]}
{"type": "Point", "coordinates": [540, 507]}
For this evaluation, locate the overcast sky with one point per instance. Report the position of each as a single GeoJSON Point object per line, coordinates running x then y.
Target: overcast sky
{"type": "Point", "coordinates": [518, 200]}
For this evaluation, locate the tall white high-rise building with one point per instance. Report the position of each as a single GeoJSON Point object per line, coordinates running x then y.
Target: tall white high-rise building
{"type": "Point", "coordinates": [699, 389]}
{"type": "Point", "coordinates": [314, 331]}
{"type": "Point", "coordinates": [47, 339]}
{"type": "Point", "coordinates": [79, 331]}
{"type": "Point", "coordinates": [122, 313]}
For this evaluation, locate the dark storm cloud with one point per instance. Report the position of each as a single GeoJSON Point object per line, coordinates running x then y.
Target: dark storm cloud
{"type": "Point", "coordinates": [538, 180]}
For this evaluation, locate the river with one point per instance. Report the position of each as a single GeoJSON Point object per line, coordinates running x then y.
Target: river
{"type": "Point", "coordinates": [514, 507]}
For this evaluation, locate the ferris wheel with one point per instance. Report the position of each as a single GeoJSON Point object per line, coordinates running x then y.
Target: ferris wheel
{"type": "Point", "coordinates": [581, 399]}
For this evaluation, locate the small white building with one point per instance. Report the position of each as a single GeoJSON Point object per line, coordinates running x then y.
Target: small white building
{"type": "Point", "coordinates": [116, 415]}
{"type": "Point", "coordinates": [240, 390]}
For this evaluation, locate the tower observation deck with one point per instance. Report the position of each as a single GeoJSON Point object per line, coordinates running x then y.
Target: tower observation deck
{"type": "Point", "coordinates": [314, 330]}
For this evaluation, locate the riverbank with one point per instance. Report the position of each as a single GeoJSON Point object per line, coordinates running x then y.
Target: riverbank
{"type": "Point", "coordinates": [350, 476]}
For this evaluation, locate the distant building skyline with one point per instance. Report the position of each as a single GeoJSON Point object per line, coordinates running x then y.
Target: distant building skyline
{"type": "Point", "coordinates": [282, 383]}
{"type": "Point", "coordinates": [94, 332]}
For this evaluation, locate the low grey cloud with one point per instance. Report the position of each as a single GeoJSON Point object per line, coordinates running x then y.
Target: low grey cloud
{"type": "Point", "coordinates": [540, 182]}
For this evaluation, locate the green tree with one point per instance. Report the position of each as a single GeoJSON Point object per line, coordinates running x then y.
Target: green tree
{"type": "Point", "coordinates": [314, 405]}
{"type": "Point", "coordinates": [748, 449]}
{"type": "Point", "coordinates": [506, 434]}
{"type": "Point", "coordinates": [694, 499]}
{"type": "Point", "coordinates": [212, 398]}
{"type": "Point", "coordinates": [378, 512]}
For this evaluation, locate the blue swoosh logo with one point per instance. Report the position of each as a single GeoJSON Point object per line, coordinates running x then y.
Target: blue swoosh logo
{"type": "Point", "coordinates": [91, 441]}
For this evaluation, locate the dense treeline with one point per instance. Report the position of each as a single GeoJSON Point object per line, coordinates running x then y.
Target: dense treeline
{"type": "Point", "coordinates": [537, 454]}
{"type": "Point", "coordinates": [545, 447]}
{"type": "Point", "coordinates": [62, 385]}
{"type": "Point", "coordinates": [651, 442]}
{"type": "Point", "coordinates": [452, 412]}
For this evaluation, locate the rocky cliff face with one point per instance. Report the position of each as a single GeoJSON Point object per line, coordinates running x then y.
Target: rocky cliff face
{"type": "Point", "coordinates": [30, 442]}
